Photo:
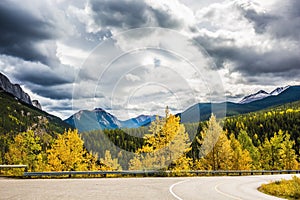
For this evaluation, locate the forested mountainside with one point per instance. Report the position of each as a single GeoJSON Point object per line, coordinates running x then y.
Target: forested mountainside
{"type": "Point", "coordinates": [259, 127]}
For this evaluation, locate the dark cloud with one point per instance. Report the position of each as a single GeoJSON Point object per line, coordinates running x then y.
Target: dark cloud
{"type": "Point", "coordinates": [21, 31]}
{"type": "Point", "coordinates": [30, 36]}
{"type": "Point", "coordinates": [164, 19]}
{"type": "Point", "coordinates": [54, 93]}
{"type": "Point", "coordinates": [36, 73]}
{"type": "Point", "coordinates": [260, 20]}
{"type": "Point", "coordinates": [65, 107]}
{"type": "Point", "coordinates": [280, 22]}
{"type": "Point", "coordinates": [249, 61]}
{"type": "Point", "coordinates": [42, 79]}
{"type": "Point", "coordinates": [288, 26]}
{"type": "Point", "coordinates": [130, 14]}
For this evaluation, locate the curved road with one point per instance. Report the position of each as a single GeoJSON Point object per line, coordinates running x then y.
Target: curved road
{"type": "Point", "coordinates": [231, 188]}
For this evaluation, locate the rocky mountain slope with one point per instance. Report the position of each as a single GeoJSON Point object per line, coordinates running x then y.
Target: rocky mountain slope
{"type": "Point", "coordinates": [17, 91]}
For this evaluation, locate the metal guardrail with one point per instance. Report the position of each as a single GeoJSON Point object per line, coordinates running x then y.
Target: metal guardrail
{"type": "Point", "coordinates": [14, 166]}
{"type": "Point", "coordinates": [161, 173]}
{"type": "Point", "coordinates": [150, 172]}
{"type": "Point", "coordinates": [104, 173]}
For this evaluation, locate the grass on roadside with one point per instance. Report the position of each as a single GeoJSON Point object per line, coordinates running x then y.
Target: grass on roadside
{"type": "Point", "coordinates": [289, 189]}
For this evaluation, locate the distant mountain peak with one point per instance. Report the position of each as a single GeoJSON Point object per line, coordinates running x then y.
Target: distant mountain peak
{"type": "Point", "coordinates": [98, 118]}
{"type": "Point", "coordinates": [261, 94]}
{"type": "Point", "coordinates": [99, 110]}
{"type": "Point", "coordinates": [279, 90]}
{"type": "Point", "coordinates": [254, 97]}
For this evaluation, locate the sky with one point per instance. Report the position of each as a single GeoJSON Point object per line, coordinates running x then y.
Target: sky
{"type": "Point", "coordinates": [134, 57]}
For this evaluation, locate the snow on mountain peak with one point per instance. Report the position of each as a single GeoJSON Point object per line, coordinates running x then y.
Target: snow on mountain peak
{"type": "Point", "coordinates": [254, 97]}
{"type": "Point", "coordinates": [279, 90]}
{"type": "Point", "coordinates": [262, 94]}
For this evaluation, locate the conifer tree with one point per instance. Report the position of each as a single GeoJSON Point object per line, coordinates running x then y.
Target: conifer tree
{"type": "Point", "coordinates": [247, 144]}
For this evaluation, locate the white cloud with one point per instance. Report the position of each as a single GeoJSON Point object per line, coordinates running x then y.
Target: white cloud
{"type": "Point", "coordinates": [70, 55]}
{"type": "Point", "coordinates": [131, 77]}
{"type": "Point", "coordinates": [254, 45]}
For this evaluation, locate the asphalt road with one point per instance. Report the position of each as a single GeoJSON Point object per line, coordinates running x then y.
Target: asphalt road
{"type": "Point", "coordinates": [240, 187]}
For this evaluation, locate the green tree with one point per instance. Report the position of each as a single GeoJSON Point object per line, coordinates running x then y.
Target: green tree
{"type": "Point", "coordinates": [247, 144]}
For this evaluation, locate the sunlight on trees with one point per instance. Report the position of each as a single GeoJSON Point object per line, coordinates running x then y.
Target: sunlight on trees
{"type": "Point", "coordinates": [278, 153]}
{"type": "Point", "coordinates": [167, 142]}
{"type": "Point", "coordinates": [26, 150]}
{"type": "Point", "coordinates": [68, 154]}
{"type": "Point", "coordinates": [216, 152]}
{"type": "Point", "coordinates": [241, 159]}
{"type": "Point", "coordinates": [111, 164]}
{"type": "Point", "coordinates": [244, 143]}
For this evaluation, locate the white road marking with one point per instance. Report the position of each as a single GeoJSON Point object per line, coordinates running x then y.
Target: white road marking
{"type": "Point", "coordinates": [172, 186]}
{"type": "Point", "coordinates": [225, 194]}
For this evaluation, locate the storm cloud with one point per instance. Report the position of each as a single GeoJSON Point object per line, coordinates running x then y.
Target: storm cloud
{"type": "Point", "coordinates": [45, 44]}
{"type": "Point", "coordinates": [131, 14]}
{"type": "Point", "coordinates": [259, 49]}
{"type": "Point", "coordinates": [21, 32]}
{"type": "Point", "coordinates": [282, 22]}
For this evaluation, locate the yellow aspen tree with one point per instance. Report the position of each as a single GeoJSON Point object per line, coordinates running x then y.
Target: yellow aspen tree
{"type": "Point", "coordinates": [182, 164]}
{"type": "Point", "coordinates": [241, 159]}
{"type": "Point", "coordinates": [26, 150]}
{"type": "Point", "coordinates": [278, 153]}
{"type": "Point", "coordinates": [265, 150]}
{"type": "Point", "coordinates": [68, 153]}
{"type": "Point", "coordinates": [109, 162]}
{"type": "Point", "coordinates": [135, 163]}
{"type": "Point", "coordinates": [248, 145]}
{"type": "Point", "coordinates": [288, 154]}
{"type": "Point", "coordinates": [166, 142]}
{"type": "Point", "coordinates": [215, 152]}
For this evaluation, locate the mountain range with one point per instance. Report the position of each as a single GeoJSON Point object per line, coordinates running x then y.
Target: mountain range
{"type": "Point", "coordinates": [98, 118]}
{"type": "Point", "coordinates": [262, 94]}
{"type": "Point", "coordinates": [290, 94]}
